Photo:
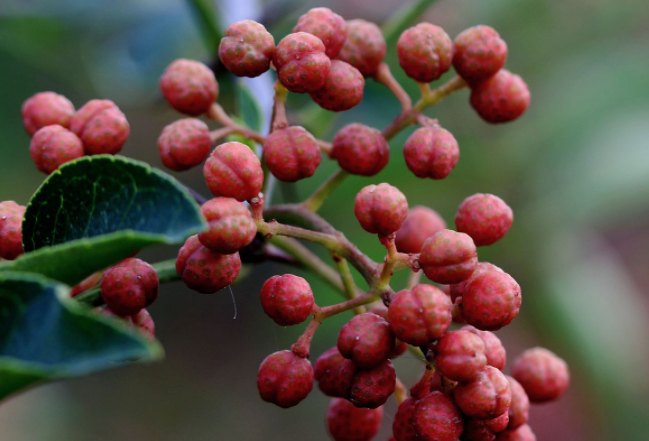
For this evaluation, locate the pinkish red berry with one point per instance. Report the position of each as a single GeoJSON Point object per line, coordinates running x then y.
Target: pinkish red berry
{"type": "Point", "coordinates": [487, 396]}
{"type": "Point", "coordinates": [231, 226]}
{"type": "Point", "coordinates": [519, 409]}
{"type": "Point", "coordinates": [543, 375]}
{"type": "Point", "coordinates": [484, 430]}
{"type": "Point", "coordinates": [479, 53]}
{"type": "Point", "coordinates": [291, 154]}
{"type": "Point", "coordinates": [206, 271]}
{"type": "Point", "coordinates": [523, 433]}
{"type": "Point", "coordinates": [360, 150]}
{"type": "Point", "coordinates": [142, 321]}
{"type": "Point", "coordinates": [403, 427]}
{"type": "Point", "coordinates": [484, 217]}
{"type": "Point", "coordinates": [334, 373]}
{"type": "Point", "coordinates": [364, 48]}
{"type": "Point", "coordinates": [129, 286]}
{"type": "Point", "coordinates": [343, 88]}
{"type": "Point", "coordinates": [53, 146]}
{"type": "Point", "coordinates": [287, 299]}
{"type": "Point", "coordinates": [189, 86]}
{"type": "Point", "coordinates": [247, 49]}
{"type": "Point", "coordinates": [431, 152]}
{"type": "Point", "coordinates": [11, 236]}
{"type": "Point", "coordinates": [494, 349]}
{"type": "Point", "coordinates": [327, 26]}
{"type": "Point", "coordinates": [284, 379]}
{"type": "Point", "coordinates": [421, 315]}
{"type": "Point", "coordinates": [184, 144]}
{"type": "Point", "coordinates": [367, 340]}
{"type": "Point", "coordinates": [501, 98]}
{"type": "Point", "coordinates": [492, 300]}
{"type": "Point", "coordinates": [371, 388]}
{"type": "Point", "coordinates": [101, 126]}
{"type": "Point", "coordinates": [45, 109]}
{"type": "Point", "coordinates": [425, 52]}
{"type": "Point", "coordinates": [301, 63]}
{"type": "Point", "coordinates": [421, 223]}
{"type": "Point", "coordinates": [448, 257]}
{"type": "Point", "coordinates": [380, 209]}
{"type": "Point", "coordinates": [457, 289]}
{"type": "Point", "coordinates": [347, 422]}
{"type": "Point", "coordinates": [459, 355]}
{"type": "Point", "coordinates": [233, 170]}
{"type": "Point", "coordinates": [433, 418]}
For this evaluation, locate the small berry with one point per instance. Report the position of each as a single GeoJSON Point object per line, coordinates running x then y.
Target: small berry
{"type": "Point", "coordinates": [360, 150]}
{"type": "Point", "coordinates": [347, 422]}
{"type": "Point", "coordinates": [327, 26]}
{"type": "Point", "coordinates": [367, 340]}
{"type": "Point", "coordinates": [484, 217]}
{"type": "Point", "coordinates": [457, 289]}
{"type": "Point", "coordinates": [380, 209]}
{"type": "Point", "coordinates": [101, 126]}
{"type": "Point", "coordinates": [448, 257]}
{"type": "Point", "coordinates": [287, 299]}
{"type": "Point", "coordinates": [291, 154]}
{"type": "Point", "coordinates": [142, 321]}
{"type": "Point", "coordinates": [45, 109]}
{"type": "Point", "coordinates": [334, 373]}
{"type": "Point", "coordinates": [459, 355]}
{"type": "Point", "coordinates": [403, 426]}
{"type": "Point", "coordinates": [372, 388]}
{"type": "Point", "coordinates": [285, 379]}
{"type": "Point", "coordinates": [184, 144]}
{"type": "Point", "coordinates": [523, 433]}
{"type": "Point", "coordinates": [247, 49]}
{"type": "Point", "coordinates": [206, 271]}
{"type": "Point", "coordinates": [425, 52]}
{"type": "Point", "coordinates": [492, 300]}
{"type": "Point", "coordinates": [189, 86]}
{"type": "Point", "coordinates": [494, 349]}
{"type": "Point", "coordinates": [484, 430]}
{"type": "Point", "coordinates": [343, 88]}
{"type": "Point", "coordinates": [399, 347]}
{"type": "Point", "coordinates": [301, 63]}
{"type": "Point", "coordinates": [479, 53]}
{"type": "Point", "coordinates": [11, 236]}
{"type": "Point", "coordinates": [519, 409]}
{"type": "Point", "coordinates": [364, 48]}
{"type": "Point", "coordinates": [53, 146]}
{"type": "Point", "coordinates": [231, 226]}
{"type": "Point", "coordinates": [431, 152]}
{"type": "Point", "coordinates": [433, 418]}
{"type": "Point", "coordinates": [421, 223]}
{"type": "Point", "coordinates": [233, 170]}
{"type": "Point", "coordinates": [501, 98]}
{"type": "Point", "coordinates": [543, 375]}
{"type": "Point", "coordinates": [487, 396]}
{"type": "Point", "coordinates": [129, 286]}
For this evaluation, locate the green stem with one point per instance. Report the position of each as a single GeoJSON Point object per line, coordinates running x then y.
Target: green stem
{"type": "Point", "coordinates": [351, 290]}
{"type": "Point", "coordinates": [315, 201]}
{"type": "Point", "coordinates": [326, 312]}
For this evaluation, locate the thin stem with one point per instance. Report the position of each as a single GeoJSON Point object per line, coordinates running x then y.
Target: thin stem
{"type": "Point", "coordinates": [272, 228]}
{"type": "Point", "coordinates": [217, 134]}
{"type": "Point", "coordinates": [326, 312]}
{"type": "Point", "coordinates": [302, 347]}
{"type": "Point", "coordinates": [385, 77]}
{"type": "Point", "coordinates": [315, 201]}
{"type": "Point", "coordinates": [400, 392]}
{"type": "Point", "coordinates": [351, 291]}
{"type": "Point", "coordinates": [279, 120]}
{"type": "Point", "coordinates": [413, 279]}
{"type": "Point", "coordinates": [425, 89]}
{"type": "Point", "coordinates": [219, 115]}
{"type": "Point", "coordinates": [325, 146]}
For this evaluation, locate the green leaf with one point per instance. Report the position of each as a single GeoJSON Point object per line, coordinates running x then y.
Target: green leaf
{"type": "Point", "coordinates": [248, 107]}
{"type": "Point", "coordinates": [45, 335]}
{"type": "Point", "coordinates": [403, 18]}
{"type": "Point", "coordinates": [206, 17]}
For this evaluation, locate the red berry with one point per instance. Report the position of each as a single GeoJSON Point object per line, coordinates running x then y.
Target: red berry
{"type": "Point", "coordinates": [292, 154]}
{"type": "Point", "coordinates": [247, 49]}
{"type": "Point", "coordinates": [492, 300]}
{"type": "Point", "coordinates": [543, 375]}
{"type": "Point", "coordinates": [484, 430]}
{"type": "Point", "coordinates": [287, 299]}
{"type": "Point", "coordinates": [519, 409]}
{"type": "Point", "coordinates": [459, 355]}
{"type": "Point", "coordinates": [448, 257]}
{"type": "Point", "coordinates": [284, 379]}
{"type": "Point", "coordinates": [231, 226]}
{"type": "Point", "coordinates": [367, 340]}
{"type": "Point", "coordinates": [523, 433]}
{"type": "Point", "coordinates": [45, 109]}
{"type": "Point", "coordinates": [494, 349]}
{"type": "Point", "coordinates": [184, 144]}
{"type": "Point", "coordinates": [403, 426]}
{"type": "Point", "coordinates": [343, 88]}
{"type": "Point", "coordinates": [347, 422]}
{"type": "Point", "coordinates": [301, 63]}
{"type": "Point", "coordinates": [101, 126]}
{"type": "Point", "coordinates": [380, 209]}
{"type": "Point", "coordinates": [484, 217]}
{"type": "Point", "coordinates": [431, 152]}
{"type": "Point", "coordinates": [425, 52]}
{"type": "Point", "coordinates": [129, 286]}
{"type": "Point", "coordinates": [11, 236]}
{"type": "Point", "coordinates": [206, 271]}
{"type": "Point", "coordinates": [421, 223]}
{"type": "Point", "coordinates": [327, 26]}
{"type": "Point", "coordinates": [457, 289]}
{"type": "Point", "coordinates": [399, 347]}
{"type": "Point", "coordinates": [372, 388]}
{"type": "Point", "coordinates": [433, 418]}
{"type": "Point", "coordinates": [364, 48]}
{"type": "Point", "coordinates": [501, 98]}
{"type": "Point", "coordinates": [360, 150]}
{"type": "Point", "coordinates": [189, 86]}
{"type": "Point", "coordinates": [142, 321]}
{"type": "Point", "coordinates": [233, 170]}
{"type": "Point", "coordinates": [54, 145]}
{"type": "Point", "coordinates": [479, 53]}
{"type": "Point", "coordinates": [487, 396]}
{"type": "Point", "coordinates": [334, 373]}
{"type": "Point", "coordinates": [421, 315]}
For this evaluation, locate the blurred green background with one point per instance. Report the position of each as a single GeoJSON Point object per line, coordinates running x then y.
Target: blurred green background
{"type": "Point", "coordinates": [575, 169]}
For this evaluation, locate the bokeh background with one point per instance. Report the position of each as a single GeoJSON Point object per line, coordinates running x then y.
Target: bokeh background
{"type": "Point", "coordinates": [575, 169]}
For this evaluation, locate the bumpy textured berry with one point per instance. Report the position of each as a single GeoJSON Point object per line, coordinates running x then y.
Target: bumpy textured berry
{"type": "Point", "coordinates": [184, 144]}
{"type": "Point", "coordinates": [421, 223]}
{"type": "Point", "coordinates": [142, 321]}
{"type": "Point", "coordinates": [519, 409]}
{"type": "Point", "coordinates": [343, 88]}
{"type": "Point", "coordinates": [448, 257]}
{"type": "Point", "coordinates": [371, 388]}
{"type": "Point", "coordinates": [360, 150]}
{"type": "Point", "coordinates": [501, 98]}
{"type": "Point", "coordinates": [433, 418]}
{"type": "Point", "coordinates": [231, 226]}
{"type": "Point", "coordinates": [492, 300]}
{"type": "Point", "coordinates": [334, 373]}
{"type": "Point", "coordinates": [101, 126]}
{"type": "Point", "coordinates": [425, 52]}
{"type": "Point", "coordinates": [367, 340]}
{"type": "Point", "coordinates": [494, 349]}
{"type": "Point", "coordinates": [403, 427]}
{"type": "Point", "coordinates": [431, 152]}
{"type": "Point", "coordinates": [487, 396]}
{"type": "Point", "coordinates": [247, 49]}
{"type": "Point", "coordinates": [380, 209]}
{"type": "Point", "coordinates": [543, 375]}
{"type": "Point", "coordinates": [189, 86]}
{"type": "Point", "coordinates": [399, 347]}
{"type": "Point", "coordinates": [45, 109]}
{"type": "Point", "coordinates": [459, 355]}
{"type": "Point", "coordinates": [206, 271]}
{"type": "Point", "coordinates": [284, 379]}
{"type": "Point", "coordinates": [364, 48]}
{"type": "Point", "coordinates": [54, 145]}
{"type": "Point", "coordinates": [484, 430]}
{"type": "Point", "coordinates": [347, 422]}
{"type": "Point", "coordinates": [523, 433]}
{"type": "Point", "coordinates": [301, 63]}
{"type": "Point", "coordinates": [479, 53]}
{"type": "Point", "coordinates": [291, 154]}
{"type": "Point", "coordinates": [327, 26]}
{"type": "Point", "coordinates": [233, 170]}
{"type": "Point", "coordinates": [421, 315]}
{"type": "Point", "coordinates": [287, 299]}
{"type": "Point", "coordinates": [457, 289]}
{"type": "Point", "coordinates": [129, 286]}
{"type": "Point", "coordinates": [484, 217]}
{"type": "Point", "coordinates": [11, 236]}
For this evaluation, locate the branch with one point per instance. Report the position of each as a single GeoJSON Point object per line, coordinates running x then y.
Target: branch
{"type": "Point", "coordinates": [216, 113]}
{"type": "Point", "coordinates": [385, 77]}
